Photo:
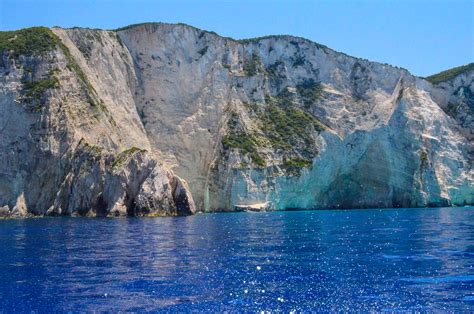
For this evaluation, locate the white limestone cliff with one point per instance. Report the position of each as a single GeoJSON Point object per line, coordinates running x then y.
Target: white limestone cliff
{"type": "Point", "coordinates": [280, 121]}
{"type": "Point", "coordinates": [75, 147]}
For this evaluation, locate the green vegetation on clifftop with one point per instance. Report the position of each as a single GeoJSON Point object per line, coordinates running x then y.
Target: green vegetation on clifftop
{"type": "Point", "coordinates": [36, 41]}
{"type": "Point", "coordinates": [449, 74]}
{"type": "Point", "coordinates": [28, 41]}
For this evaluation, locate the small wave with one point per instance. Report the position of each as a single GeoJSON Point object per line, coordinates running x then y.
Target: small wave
{"type": "Point", "coordinates": [370, 297]}
{"type": "Point", "coordinates": [459, 278]}
{"type": "Point", "coordinates": [412, 257]}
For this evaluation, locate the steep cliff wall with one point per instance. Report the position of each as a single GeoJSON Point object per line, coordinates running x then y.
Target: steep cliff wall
{"type": "Point", "coordinates": [277, 122]}
{"type": "Point", "coordinates": [453, 92]}
{"type": "Point", "coordinates": [287, 122]}
{"type": "Point", "coordinates": [69, 146]}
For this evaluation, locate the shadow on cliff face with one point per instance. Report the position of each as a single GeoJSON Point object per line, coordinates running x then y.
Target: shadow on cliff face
{"type": "Point", "coordinates": [375, 182]}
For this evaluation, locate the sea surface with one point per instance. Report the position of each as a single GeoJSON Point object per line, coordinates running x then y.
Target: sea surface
{"type": "Point", "coordinates": [392, 259]}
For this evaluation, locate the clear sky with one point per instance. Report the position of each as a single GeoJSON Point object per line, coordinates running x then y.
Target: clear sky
{"type": "Point", "coordinates": [424, 36]}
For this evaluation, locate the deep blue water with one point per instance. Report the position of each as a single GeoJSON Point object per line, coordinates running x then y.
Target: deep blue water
{"type": "Point", "coordinates": [309, 260]}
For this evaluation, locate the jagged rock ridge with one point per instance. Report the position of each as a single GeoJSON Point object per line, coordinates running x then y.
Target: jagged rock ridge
{"type": "Point", "coordinates": [279, 120]}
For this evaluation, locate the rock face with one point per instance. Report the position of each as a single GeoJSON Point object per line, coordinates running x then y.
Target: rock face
{"type": "Point", "coordinates": [68, 146]}
{"type": "Point", "coordinates": [454, 93]}
{"type": "Point", "coordinates": [280, 121]}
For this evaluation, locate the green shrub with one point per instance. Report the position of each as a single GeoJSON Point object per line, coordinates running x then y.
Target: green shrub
{"type": "Point", "coordinates": [257, 159]}
{"type": "Point", "coordinates": [284, 99]}
{"type": "Point", "coordinates": [38, 41]}
{"type": "Point", "coordinates": [247, 143]}
{"type": "Point", "coordinates": [292, 40]}
{"type": "Point", "coordinates": [240, 140]}
{"type": "Point", "coordinates": [309, 91]}
{"type": "Point", "coordinates": [124, 156]}
{"type": "Point", "coordinates": [251, 65]}
{"type": "Point", "coordinates": [284, 119]}
{"type": "Point", "coordinates": [273, 72]}
{"type": "Point", "coordinates": [423, 157]}
{"type": "Point", "coordinates": [28, 41]}
{"type": "Point", "coordinates": [36, 89]}
{"type": "Point", "coordinates": [285, 127]}
{"type": "Point", "coordinates": [294, 165]}
{"type": "Point", "coordinates": [282, 126]}
{"type": "Point", "coordinates": [449, 74]}
{"type": "Point", "coordinates": [297, 162]}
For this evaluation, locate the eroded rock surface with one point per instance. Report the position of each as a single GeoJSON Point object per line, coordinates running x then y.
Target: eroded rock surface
{"type": "Point", "coordinates": [70, 146]}
{"type": "Point", "coordinates": [278, 120]}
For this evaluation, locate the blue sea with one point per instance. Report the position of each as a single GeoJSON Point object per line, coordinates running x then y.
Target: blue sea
{"type": "Point", "coordinates": [382, 260]}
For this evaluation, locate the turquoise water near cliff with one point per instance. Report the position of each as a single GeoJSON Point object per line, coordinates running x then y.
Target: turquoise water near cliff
{"type": "Point", "coordinates": [304, 260]}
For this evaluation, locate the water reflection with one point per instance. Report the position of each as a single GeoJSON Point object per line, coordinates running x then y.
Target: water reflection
{"type": "Point", "coordinates": [330, 260]}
